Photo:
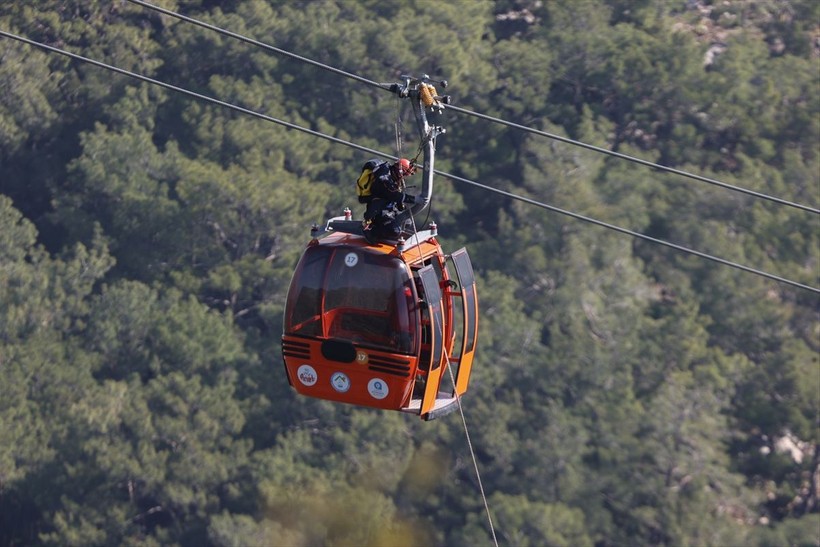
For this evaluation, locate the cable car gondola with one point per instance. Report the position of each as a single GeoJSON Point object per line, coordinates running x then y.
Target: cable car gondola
{"type": "Point", "coordinates": [374, 323]}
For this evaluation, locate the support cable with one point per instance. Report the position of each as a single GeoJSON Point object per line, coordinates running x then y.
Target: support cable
{"type": "Point", "coordinates": [194, 94]}
{"type": "Point", "coordinates": [639, 161]}
{"type": "Point", "coordinates": [486, 117]}
{"type": "Point", "coordinates": [257, 43]}
{"type": "Point", "coordinates": [632, 233]}
{"type": "Point", "coordinates": [372, 151]}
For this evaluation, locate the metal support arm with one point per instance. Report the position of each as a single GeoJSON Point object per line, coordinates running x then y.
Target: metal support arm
{"type": "Point", "coordinates": [423, 95]}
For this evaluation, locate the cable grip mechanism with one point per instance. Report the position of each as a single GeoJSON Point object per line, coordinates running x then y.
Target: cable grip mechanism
{"type": "Point", "coordinates": [424, 89]}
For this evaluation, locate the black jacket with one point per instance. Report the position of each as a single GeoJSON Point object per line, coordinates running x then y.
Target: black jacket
{"type": "Point", "coordinates": [385, 186]}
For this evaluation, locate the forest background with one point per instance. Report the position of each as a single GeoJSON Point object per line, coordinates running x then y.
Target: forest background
{"type": "Point", "coordinates": [624, 393]}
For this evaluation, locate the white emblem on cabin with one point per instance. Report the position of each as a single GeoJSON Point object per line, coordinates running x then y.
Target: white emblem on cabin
{"type": "Point", "coordinates": [340, 382]}
{"type": "Point", "coordinates": [377, 388]}
{"type": "Point", "coordinates": [307, 375]}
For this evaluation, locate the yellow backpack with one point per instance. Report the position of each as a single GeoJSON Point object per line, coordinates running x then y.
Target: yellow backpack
{"type": "Point", "coordinates": [365, 181]}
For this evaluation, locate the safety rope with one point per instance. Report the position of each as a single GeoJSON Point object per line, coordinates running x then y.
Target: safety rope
{"type": "Point", "coordinates": [464, 422]}
{"type": "Point", "coordinates": [415, 234]}
{"type": "Point", "coordinates": [418, 152]}
{"type": "Point", "coordinates": [399, 128]}
{"type": "Point", "coordinates": [472, 452]}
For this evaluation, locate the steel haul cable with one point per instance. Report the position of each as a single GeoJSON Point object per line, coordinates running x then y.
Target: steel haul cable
{"type": "Point", "coordinates": [257, 43]}
{"type": "Point", "coordinates": [383, 154]}
{"type": "Point", "coordinates": [493, 119]}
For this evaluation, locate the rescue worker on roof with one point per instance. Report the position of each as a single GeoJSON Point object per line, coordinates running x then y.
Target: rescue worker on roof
{"type": "Point", "coordinates": [381, 186]}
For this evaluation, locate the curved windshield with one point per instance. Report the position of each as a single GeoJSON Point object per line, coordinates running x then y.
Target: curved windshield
{"type": "Point", "coordinates": [350, 293]}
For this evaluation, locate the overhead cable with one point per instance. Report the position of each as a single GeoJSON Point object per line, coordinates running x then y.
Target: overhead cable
{"type": "Point", "coordinates": [632, 233]}
{"type": "Point", "coordinates": [257, 43]}
{"type": "Point", "coordinates": [486, 117]}
{"type": "Point", "coordinates": [639, 161]}
{"type": "Point", "coordinates": [194, 94]}
{"type": "Point", "coordinates": [386, 155]}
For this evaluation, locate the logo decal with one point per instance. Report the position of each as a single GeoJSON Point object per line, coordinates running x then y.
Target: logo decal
{"type": "Point", "coordinates": [340, 382]}
{"type": "Point", "coordinates": [377, 388]}
{"type": "Point", "coordinates": [307, 375]}
{"type": "Point", "coordinates": [361, 357]}
{"type": "Point", "coordinates": [351, 259]}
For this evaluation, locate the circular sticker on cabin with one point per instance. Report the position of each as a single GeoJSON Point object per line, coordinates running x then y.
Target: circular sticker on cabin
{"type": "Point", "coordinates": [377, 388]}
{"type": "Point", "coordinates": [307, 375]}
{"type": "Point", "coordinates": [340, 382]}
{"type": "Point", "coordinates": [361, 357]}
{"type": "Point", "coordinates": [351, 259]}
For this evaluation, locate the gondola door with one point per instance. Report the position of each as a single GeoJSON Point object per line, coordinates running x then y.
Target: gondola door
{"type": "Point", "coordinates": [469, 302]}
{"type": "Point", "coordinates": [432, 300]}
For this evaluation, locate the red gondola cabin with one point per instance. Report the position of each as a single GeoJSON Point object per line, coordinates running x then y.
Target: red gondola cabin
{"type": "Point", "coordinates": [373, 324]}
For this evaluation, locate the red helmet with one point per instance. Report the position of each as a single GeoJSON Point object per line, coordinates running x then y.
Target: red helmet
{"type": "Point", "coordinates": [403, 167]}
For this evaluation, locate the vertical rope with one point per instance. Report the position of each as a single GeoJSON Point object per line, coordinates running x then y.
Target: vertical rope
{"type": "Point", "coordinates": [472, 453]}
{"type": "Point", "coordinates": [399, 128]}
{"type": "Point", "coordinates": [466, 431]}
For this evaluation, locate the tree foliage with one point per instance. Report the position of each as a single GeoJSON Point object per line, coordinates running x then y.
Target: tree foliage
{"type": "Point", "coordinates": [623, 393]}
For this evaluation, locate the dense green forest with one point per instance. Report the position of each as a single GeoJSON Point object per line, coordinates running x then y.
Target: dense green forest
{"type": "Point", "coordinates": [624, 393]}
